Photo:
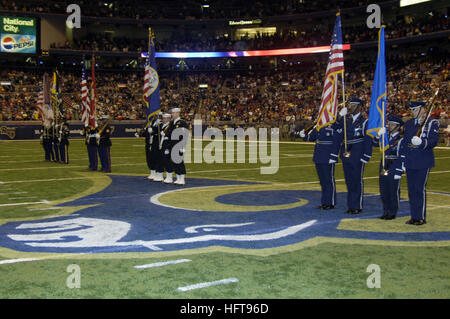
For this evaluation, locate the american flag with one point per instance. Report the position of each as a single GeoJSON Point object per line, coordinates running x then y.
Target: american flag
{"type": "Point", "coordinates": [85, 104]}
{"type": "Point", "coordinates": [329, 103]}
{"type": "Point", "coordinates": [92, 113]}
{"type": "Point", "coordinates": [40, 105]}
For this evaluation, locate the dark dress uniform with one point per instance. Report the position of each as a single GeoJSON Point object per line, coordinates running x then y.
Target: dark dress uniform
{"type": "Point", "coordinates": [325, 157]}
{"type": "Point", "coordinates": [419, 159]}
{"type": "Point", "coordinates": [55, 142]}
{"type": "Point", "coordinates": [165, 147]}
{"type": "Point", "coordinates": [64, 143]}
{"type": "Point", "coordinates": [104, 148]}
{"type": "Point", "coordinates": [47, 144]}
{"type": "Point", "coordinates": [91, 142]}
{"type": "Point", "coordinates": [360, 147]}
{"type": "Point", "coordinates": [178, 167]}
{"type": "Point", "coordinates": [155, 154]}
{"type": "Point", "coordinates": [390, 184]}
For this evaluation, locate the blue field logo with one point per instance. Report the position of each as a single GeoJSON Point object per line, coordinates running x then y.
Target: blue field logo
{"type": "Point", "coordinates": [134, 215]}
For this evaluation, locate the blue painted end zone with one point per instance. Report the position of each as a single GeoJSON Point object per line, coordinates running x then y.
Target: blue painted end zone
{"type": "Point", "coordinates": [126, 221]}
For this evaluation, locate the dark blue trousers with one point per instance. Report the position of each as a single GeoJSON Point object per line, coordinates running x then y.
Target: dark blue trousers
{"type": "Point", "coordinates": [105, 158]}
{"type": "Point", "coordinates": [64, 153]}
{"type": "Point", "coordinates": [327, 182]}
{"type": "Point", "coordinates": [56, 151]}
{"type": "Point", "coordinates": [417, 182]}
{"type": "Point", "coordinates": [389, 193]}
{"type": "Point", "coordinates": [48, 150]}
{"type": "Point", "coordinates": [92, 153]}
{"type": "Point", "coordinates": [354, 173]}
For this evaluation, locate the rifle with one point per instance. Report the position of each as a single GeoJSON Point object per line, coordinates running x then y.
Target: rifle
{"type": "Point", "coordinates": [104, 126]}
{"type": "Point", "coordinates": [429, 110]}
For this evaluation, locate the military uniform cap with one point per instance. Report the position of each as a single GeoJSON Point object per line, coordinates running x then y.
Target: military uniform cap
{"type": "Point", "coordinates": [414, 104]}
{"type": "Point", "coordinates": [395, 119]}
{"type": "Point", "coordinates": [355, 100]}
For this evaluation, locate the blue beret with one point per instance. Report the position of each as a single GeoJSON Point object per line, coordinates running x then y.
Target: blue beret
{"type": "Point", "coordinates": [355, 100]}
{"type": "Point", "coordinates": [414, 104]}
{"type": "Point", "coordinates": [395, 119]}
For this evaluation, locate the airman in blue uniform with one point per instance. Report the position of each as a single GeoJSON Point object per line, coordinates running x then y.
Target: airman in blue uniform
{"type": "Point", "coordinates": [325, 157]}
{"type": "Point", "coordinates": [356, 154]}
{"type": "Point", "coordinates": [392, 171]}
{"type": "Point", "coordinates": [419, 159]}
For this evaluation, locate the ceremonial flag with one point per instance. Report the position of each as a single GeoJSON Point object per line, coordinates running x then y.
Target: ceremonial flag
{"type": "Point", "coordinates": [40, 105]}
{"type": "Point", "coordinates": [329, 102]}
{"type": "Point", "coordinates": [378, 100]}
{"type": "Point", "coordinates": [47, 110]}
{"type": "Point", "coordinates": [151, 82]}
{"type": "Point", "coordinates": [92, 112]}
{"type": "Point", "coordinates": [85, 102]}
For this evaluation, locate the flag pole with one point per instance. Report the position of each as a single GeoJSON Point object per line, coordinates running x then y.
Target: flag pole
{"type": "Point", "coordinates": [383, 111]}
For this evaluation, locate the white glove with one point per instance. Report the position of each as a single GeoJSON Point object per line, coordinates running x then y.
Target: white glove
{"type": "Point", "coordinates": [343, 111]}
{"type": "Point", "coordinates": [302, 133]}
{"type": "Point", "coordinates": [397, 177]}
{"type": "Point", "coordinates": [97, 136]}
{"type": "Point", "coordinates": [416, 140]}
{"type": "Point", "coordinates": [331, 161]}
{"type": "Point", "coordinates": [136, 134]}
{"type": "Point", "coordinates": [149, 130]}
{"type": "Point", "coordinates": [166, 152]}
{"type": "Point", "coordinates": [381, 131]}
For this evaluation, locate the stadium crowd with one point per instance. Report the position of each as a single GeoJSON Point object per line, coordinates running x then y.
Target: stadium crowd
{"type": "Point", "coordinates": [272, 97]}
{"type": "Point", "coordinates": [309, 36]}
{"type": "Point", "coordinates": [184, 10]}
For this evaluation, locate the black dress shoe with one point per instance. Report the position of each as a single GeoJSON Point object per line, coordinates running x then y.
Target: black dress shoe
{"type": "Point", "coordinates": [388, 217]}
{"type": "Point", "coordinates": [349, 211]}
{"type": "Point", "coordinates": [383, 216]}
{"type": "Point", "coordinates": [327, 207]}
{"type": "Point", "coordinates": [409, 222]}
{"type": "Point", "coordinates": [419, 222]}
{"type": "Point", "coordinates": [356, 211]}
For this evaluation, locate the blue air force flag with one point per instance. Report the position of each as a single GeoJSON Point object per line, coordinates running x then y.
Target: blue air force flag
{"type": "Point", "coordinates": [378, 101]}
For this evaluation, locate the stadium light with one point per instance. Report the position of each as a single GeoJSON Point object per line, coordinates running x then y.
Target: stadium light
{"type": "Point", "coordinates": [404, 3]}
{"type": "Point", "coordinates": [203, 86]}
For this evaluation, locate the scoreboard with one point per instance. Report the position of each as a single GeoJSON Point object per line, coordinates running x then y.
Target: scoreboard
{"type": "Point", "coordinates": [17, 34]}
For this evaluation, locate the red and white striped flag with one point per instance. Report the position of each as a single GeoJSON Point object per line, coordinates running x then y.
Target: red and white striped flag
{"type": "Point", "coordinates": [85, 103]}
{"type": "Point", "coordinates": [40, 105]}
{"type": "Point", "coordinates": [92, 113]}
{"type": "Point", "coordinates": [329, 103]}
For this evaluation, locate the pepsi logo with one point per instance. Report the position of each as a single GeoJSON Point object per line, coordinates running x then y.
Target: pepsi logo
{"type": "Point", "coordinates": [8, 43]}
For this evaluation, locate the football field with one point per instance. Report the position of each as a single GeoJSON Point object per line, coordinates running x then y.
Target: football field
{"type": "Point", "coordinates": [230, 232]}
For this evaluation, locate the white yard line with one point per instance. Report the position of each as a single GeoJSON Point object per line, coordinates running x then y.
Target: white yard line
{"type": "Point", "coordinates": [11, 198]}
{"type": "Point", "coordinates": [12, 261]}
{"type": "Point", "coordinates": [27, 203]}
{"type": "Point", "coordinates": [165, 263]}
{"type": "Point", "coordinates": [208, 284]}
{"type": "Point", "coordinates": [15, 193]}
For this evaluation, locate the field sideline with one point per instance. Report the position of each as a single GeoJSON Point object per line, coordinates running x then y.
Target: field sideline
{"type": "Point", "coordinates": [413, 260]}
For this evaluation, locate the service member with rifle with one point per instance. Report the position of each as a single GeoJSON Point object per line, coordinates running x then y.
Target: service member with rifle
{"type": "Point", "coordinates": [64, 133]}
{"type": "Point", "coordinates": [104, 145]}
{"type": "Point", "coordinates": [421, 136]}
{"type": "Point", "coordinates": [165, 147]}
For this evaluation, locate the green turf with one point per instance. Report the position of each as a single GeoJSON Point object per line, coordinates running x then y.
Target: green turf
{"type": "Point", "coordinates": [327, 270]}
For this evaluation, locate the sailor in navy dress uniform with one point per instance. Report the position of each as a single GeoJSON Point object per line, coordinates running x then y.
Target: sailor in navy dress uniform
{"type": "Point", "coordinates": [64, 133]}
{"type": "Point", "coordinates": [92, 139]}
{"type": "Point", "coordinates": [55, 140]}
{"type": "Point", "coordinates": [104, 147]}
{"type": "Point", "coordinates": [391, 173]}
{"type": "Point", "coordinates": [419, 159]}
{"type": "Point", "coordinates": [357, 154]}
{"type": "Point", "coordinates": [165, 149]}
{"type": "Point", "coordinates": [47, 144]}
{"type": "Point", "coordinates": [325, 158]}
{"type": "Point", "coordinates": [180, 129]}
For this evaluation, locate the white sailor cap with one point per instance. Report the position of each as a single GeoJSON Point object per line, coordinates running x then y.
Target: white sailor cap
{"type": "Point", "coordinates": [176, 110]}
{"type": "Point", "coordinates": [166, 115]}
